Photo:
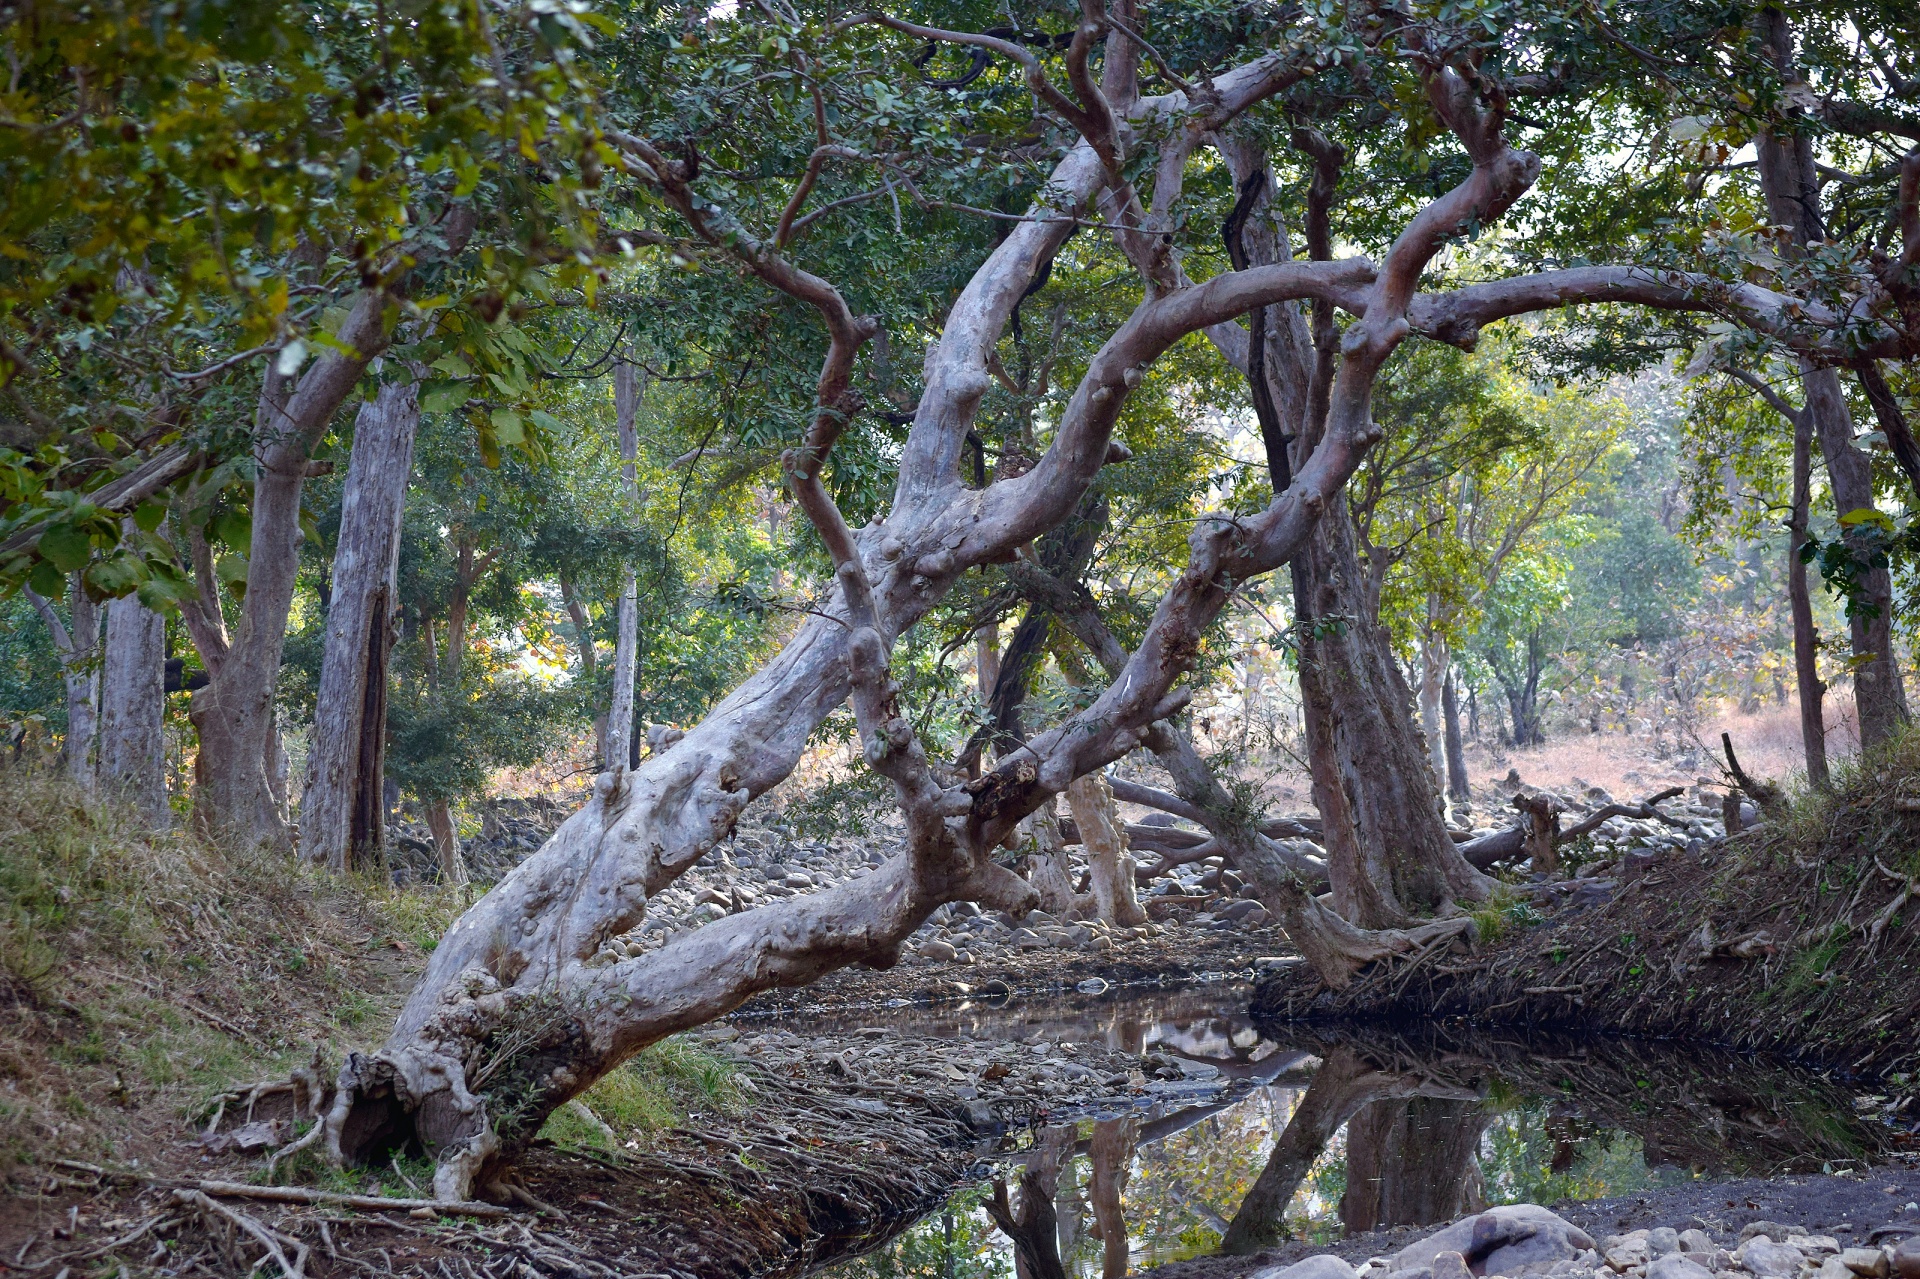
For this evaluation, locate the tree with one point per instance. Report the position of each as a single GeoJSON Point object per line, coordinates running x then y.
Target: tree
{"type": "Point", "coordinates": [524, 1003]}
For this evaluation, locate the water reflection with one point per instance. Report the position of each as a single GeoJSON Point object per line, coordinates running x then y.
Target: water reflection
{"type": "Point", "coordinates": [1276, 1133]}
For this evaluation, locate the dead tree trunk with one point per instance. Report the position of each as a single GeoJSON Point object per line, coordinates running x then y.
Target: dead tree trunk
{"type": "Point", "coordinates": [628, 387]}
{"type": "Point", "coordinates": [238, 793]}
{"type": "Point", "coordinates": [341, 812]}
{"type": "Point", "coordinates": [133, 752]}
{"type": "Point", "coordinates": [78, 646]}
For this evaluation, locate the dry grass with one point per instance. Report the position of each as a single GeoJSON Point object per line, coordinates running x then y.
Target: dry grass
{"type": "Point", "coordinates": [140, 973]}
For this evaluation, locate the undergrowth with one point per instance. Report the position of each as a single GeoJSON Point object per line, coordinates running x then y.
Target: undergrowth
{"type": "Point", "coordinates": [140, 973]}
{"type": "Point", "coordinates": [669, 1085]}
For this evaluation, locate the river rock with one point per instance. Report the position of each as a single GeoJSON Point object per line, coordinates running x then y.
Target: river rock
{"type": "Point", "coordinates": [1906, 1258]}
{"type": "Point", "coordinates": [1321, 1267]}
{"type": "Point", "coordinates": [1696, 1241]}
{"type": "Point", "coordinates": [1868, 1263]}
{"type": "Point", "coordinates": [1677, 1265]}
{"type": "Point", "coordinates": [1814, 1245]}
{"type": "Point", "coordinates": [1450, 1265]}
{"type": "Point", "coordinates": [1515, 1239]}
{"type": "Point", "coordinates": [1770, 1260]}
{"type": "Point", "coordinates": [1771, 1229]}
{"type": "Point", "coordinates": [1662, 1240]}
{"type": "Point", "coordinates": [943, 952]}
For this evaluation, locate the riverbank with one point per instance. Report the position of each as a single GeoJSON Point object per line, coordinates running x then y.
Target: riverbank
{"type": "Point", "coordinates": [1799, 938]}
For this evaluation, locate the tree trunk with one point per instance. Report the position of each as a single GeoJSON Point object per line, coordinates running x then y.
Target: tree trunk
{"type": "Point", "coordinates": [133, 753]}
{"type": "Point", "coordinates": [1790, 181]}
{"type": "Point", "coordinates": [1032, 1225]}
{"type": "Point", "coordinates": [1459, 789]}
{"type": "Point", "coordinates": [340, 813]}
{"type": "Point", "coordinates": [446, 844]}
{"type": "Point", "coordinates": [1343, 1084]}
{"type": "Point", "coordinates": [78, 646]}
{"type": "Point", "coordinates": [1879, 698]}
{"type": "Point", "coordinates": [1413, 1162]}
{"type": "Point", "coordinates": [1111, 1155]}
{"type": "Point", "coordinates": [628, 388]}
{"type": "Point", "coordinates": [1433, 678]}
{"type": "Point", "coordinates": [239, 793]}
{"type": "Point", "coordinates": [1806, 639]}
{"type": "Point", "coordinates": [1108, 861]}
{"type": "Point", "coordinates": [1047, 868]}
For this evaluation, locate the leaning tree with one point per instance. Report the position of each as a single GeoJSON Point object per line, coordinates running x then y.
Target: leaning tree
{"type": "Point", "coordinates": [531, 996]}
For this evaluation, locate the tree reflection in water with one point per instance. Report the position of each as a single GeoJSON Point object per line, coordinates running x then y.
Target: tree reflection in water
{"type": "Point", "coordinates": [1322, 1137]}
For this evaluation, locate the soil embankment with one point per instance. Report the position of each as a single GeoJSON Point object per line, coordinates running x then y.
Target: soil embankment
{"type": "Point", "coordinates": [1799, 938]}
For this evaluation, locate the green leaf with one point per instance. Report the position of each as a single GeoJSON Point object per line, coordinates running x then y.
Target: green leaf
{"type": "Point", "coordinates": [442, 395]}
{"type": "Point", "coordinates": [46, 579]}
{"type": "Point", "coordinates": [148, 515]}
{"type": "Point", "coordinates": [67, 546]}
{"type": "Point", "coordinates": [545, 421]}
{"type": "Point", "coordinates": [508, 426]}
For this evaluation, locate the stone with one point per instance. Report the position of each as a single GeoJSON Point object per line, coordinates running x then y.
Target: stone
{"type": "Point", "coordinates": [1662, 1240]}
{"type": "Point", "coordinates": [942, 952]}
{"type": "Point", "coordinates": [1770, 1260]}
{"type": "Point", "coordinates": [1771, 1229]}
{"type": "Point", "coordinates": [1450, 1265]}
{"type": "Point", "coordinates": [1321, 1267]}
{"type": "Point", "coordinates": [1906, 1258]}
{"type": "Point", "coordinates": [1833, 1268]}
{"type": "Point", "coordinates": [1696, 1241]}
{"type": "Point", "coordinates": [1515, 1239]}
{"type": "Point", "coordinates": [1027, 939]}
{"type": "Point", "coordinates": [1869, 1263]}
{"type": "Point", "coordinates": [1814, 1245]}
{"type": "Point", "coordinates": [1677, 1265]}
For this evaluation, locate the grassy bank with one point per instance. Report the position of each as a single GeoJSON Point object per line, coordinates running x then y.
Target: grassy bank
{"type": "Point", "coordinates": [1800, 937]}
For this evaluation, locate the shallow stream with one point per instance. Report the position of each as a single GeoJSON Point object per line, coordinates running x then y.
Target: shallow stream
{"type": "Point", "coordinates": [1399, 1129]}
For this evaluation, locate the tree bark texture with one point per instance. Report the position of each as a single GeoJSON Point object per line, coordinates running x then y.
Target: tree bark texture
{"type": "Point", "coordinates": [341, 811]}
{"type": "Point", "coordinates": [1434, 660]}
{"type": "Point", "coordinates": [1806, 638]}
{"type": "Point", "coordinates": [1109, 864]}
{"type": "Point", "coordinates": [1047, 868]}
{"type": "Point", "coordinates": [446, 844]}
{"type": "Point", "coordinates": [133, 750]}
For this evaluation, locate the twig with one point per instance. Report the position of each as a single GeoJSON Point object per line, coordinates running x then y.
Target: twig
{"type": "Point", "coordinates": [378, 1203]}
{"type": "Point", "coordinates": [270, 1239]}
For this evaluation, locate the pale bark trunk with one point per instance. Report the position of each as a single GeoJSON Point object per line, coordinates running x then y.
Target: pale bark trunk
{"type": "Point", "coordinates": [1047, 868]}
{"type": "Point", "coordinates": [349, 723]}
{"type": "Point", "coordinates": [1032, 1224]}
{"type": "Point", "coordinates": [133, 754]}
{"type": "Point", "coordinates": [1806, 638]}
{"type": "Point", "coordinates": [1109, 864]}
{"type": "Point", "coordinates": [1433, 678]}
{"type": "Point", "coordinates": [79, 648]}
{"type": "Point", "coordinates": [628, 387]}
